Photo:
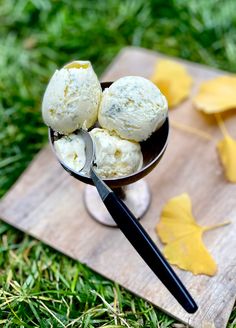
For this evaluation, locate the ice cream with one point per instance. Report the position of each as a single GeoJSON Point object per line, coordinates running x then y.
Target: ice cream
{"type": "Point", "coordinates": [71, 150]}
{"type": "Point", "coordinates": [72, 98]}
{"type": "Point", "coordinates": [115, 157]}
{"type": "Point", "coordinates": [133, 107]}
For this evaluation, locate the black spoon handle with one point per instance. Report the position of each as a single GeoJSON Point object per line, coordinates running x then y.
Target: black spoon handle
{"type": "Point", "coordinates": [143, 244]}
{"type": "Point", "coordinates": [147, 249]}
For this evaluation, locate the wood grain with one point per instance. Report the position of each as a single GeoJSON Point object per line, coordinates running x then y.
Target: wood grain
{"type": "Point", "coordinates": [48, 204]}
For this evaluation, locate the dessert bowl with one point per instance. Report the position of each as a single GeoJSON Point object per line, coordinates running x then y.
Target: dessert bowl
{"type": "Point", "coordinates": [132, 189]}
{"type": "Point", "coordinates": [152, 149]}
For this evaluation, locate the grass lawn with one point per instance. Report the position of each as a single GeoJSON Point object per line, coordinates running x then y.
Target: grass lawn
{"type": "Point", "coordinates": [39, 286]}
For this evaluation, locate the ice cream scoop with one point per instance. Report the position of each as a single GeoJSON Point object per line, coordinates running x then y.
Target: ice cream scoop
{"type": "Point", "coordinates": [71, 149]}
{"type": "Point", "coordinates": [133, 107]}
{"type": "Point", "coordinates": [114, 156]}
{"type": "Point", "coordinates": [72, 98]}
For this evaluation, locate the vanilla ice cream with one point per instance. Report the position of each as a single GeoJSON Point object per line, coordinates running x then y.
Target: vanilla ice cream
{"type": "Point", "coordinates": [115, 157]}
{"type": "Point", "coordinates": [133, 107]}
{"type": "Point", "coordinates": [71, 150]}
{"type": "Point", "coordinates": [72, 98]}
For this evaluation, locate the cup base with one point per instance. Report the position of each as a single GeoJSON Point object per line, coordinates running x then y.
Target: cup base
{"type": "Point", "coordinates": [137, 197]}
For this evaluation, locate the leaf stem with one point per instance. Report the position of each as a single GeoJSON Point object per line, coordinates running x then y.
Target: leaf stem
{"type": "Point", "coordinates": [221, 125]}
{"type": "Point", "coordinates": [190, 129]}
{"type": "Point", "coordinates": [216, 226]}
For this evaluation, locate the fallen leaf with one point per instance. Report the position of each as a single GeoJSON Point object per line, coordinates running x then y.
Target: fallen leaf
{"type": "Point", "coordinates": [227, 152]}
{"type": "Point", "coordinates": [173, 80]}
{"type": "Point", "coordinates": [183, 237]}
{"type": "Point", "coordinates": [216, 95]}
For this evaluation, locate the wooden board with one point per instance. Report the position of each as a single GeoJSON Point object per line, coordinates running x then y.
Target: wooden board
{"type": "Point", "coordinates": [48, 204]}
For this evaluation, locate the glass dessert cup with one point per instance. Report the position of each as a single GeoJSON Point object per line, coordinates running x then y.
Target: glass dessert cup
{"type": "Point", "coordinates": [132, 189]}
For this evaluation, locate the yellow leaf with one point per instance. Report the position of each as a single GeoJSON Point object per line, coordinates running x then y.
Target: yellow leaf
{"type": "Point", "coordinates": [173, 80]}
{"type": "Point", "coordinates": [183, 237]}
{"type": "Point", "coordinates": [216, 95]}
{"type": "Point", "coordinates": [227, 152]}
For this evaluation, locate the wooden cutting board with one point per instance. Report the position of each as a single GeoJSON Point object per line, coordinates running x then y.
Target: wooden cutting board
{"type": "Point", "coordinates": [47, 203]}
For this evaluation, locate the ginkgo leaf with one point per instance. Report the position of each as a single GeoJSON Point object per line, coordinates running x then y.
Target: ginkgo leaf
{"type": "Point", "coordinates": [227, 152]}
{"type": "Point", "coordinates": [216, 95]}
{"type": "Point", "coordinates": [173, 80]}
{"type": "Point", "coordinates": [183, 237]}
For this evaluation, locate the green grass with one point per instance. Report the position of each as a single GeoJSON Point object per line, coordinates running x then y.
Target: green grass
{"type": "Point", "coordinates": [43, 288]}
{"type": "Point", "coordinates": [40, 287]}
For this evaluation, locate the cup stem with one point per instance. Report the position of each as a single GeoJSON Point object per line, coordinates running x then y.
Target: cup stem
{"type": "Point", "coordinates": [136, 196]}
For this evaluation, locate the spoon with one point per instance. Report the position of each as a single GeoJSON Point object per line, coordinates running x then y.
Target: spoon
{"type": "Point", "coordinates": [132, 229]}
